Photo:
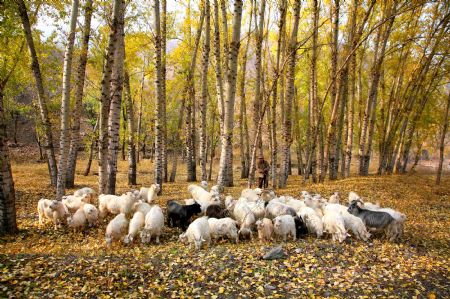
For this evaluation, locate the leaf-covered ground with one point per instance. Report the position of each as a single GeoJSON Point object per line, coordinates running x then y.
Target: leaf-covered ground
{"type": "Point", "coordinates": [41, 262]}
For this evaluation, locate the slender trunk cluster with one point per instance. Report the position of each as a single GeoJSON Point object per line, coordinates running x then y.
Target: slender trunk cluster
{"type": "Point", "coordinates": [79, 87]}
{"type": "Point", "coordinates": [225, 177]}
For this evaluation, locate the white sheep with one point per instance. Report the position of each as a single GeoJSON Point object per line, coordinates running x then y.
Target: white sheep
{"type": "Point", "coordinates": [229, 203]}
{"type": "Point", "coordinates": [77, 220]}
{"type": "Point", "coordinates": [142, 207]}
{"type": "Point", "coordinates": [304, 193]}
{"type": "Point", "coordinates": [73, 202]}
{"type": "Point", "coordinates": [154, 223]}
{"type": "Point", "coordinates": [333, 223]}
{"type": "Point", "coordinates": [265, 229]}
{"type": "Point", "coordinates": [114, 204]}
{"type": "Point", "coordinates": [313, 202]}
{"type": "Point", "coordinates": [274, 209]}
{"type": "Point", "coordinates": [355, 225]}
{"type": "Point", "coordinates": [283, 226]}
{"type": "Point", "coordinates": [335, 198]}
{"type": "Point", "coordinates": [116, 228]}
{"type": "Point", "coordinates": [268, 195]}
{"type": "Point", "coordinates": [197, 233]}
{"type": "Point", "coordinates": [257, 207]}
{"type": "Point", "coordinates": [204, 185]}
{"type": "Point", "coordinates": [312, 220]}
{"type": "Point", "coordinates": [224, 227]}
{"type": "Point", "coordinates": [203, 197]}
{"type": "Point", "coordinates": [86, 190]}
{"type": "Point", "coordinates": [294, 203]}
{"type": "Point", "coordinates": [245, 217]}
{"type": "Point", "coordinates": [352, 196]}
{"type": "Point", "coordinates": [53, 210]}
{"type": "Point", "coordinates": [334, 207]}
{"type": "Point", "coordinates": [250, 194]}
{"type": "Point", "coordinates": [91, 213]}
{"type": "Point", "coordinates": [136, 224]}
{"type": "Point", "coordinates": [149, 194]}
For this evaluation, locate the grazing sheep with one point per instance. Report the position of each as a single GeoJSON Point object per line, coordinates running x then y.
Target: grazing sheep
{"type": "Point", "coordinates": [229, 203]}
{"type": "Point", "coordinates": [149, 194]}
{"type": "Point", "coordinates": [335, 198]}
{"type": "Point", "coordinates": [204, 185]}
{"type": "Point", "coordinates": [113, 204]}
{"type": "Point", "coordinates": [267, 195]}
{"type": "Point", "coordinates": [372, 219]}
{"type": "Point", "coordinates": [142, 207]}
{"type": "Point", "coordinates": [250, 194]}
{"type": "Point", "coordinates": [294, 203]}
{"type": "Point", "coordinates": [77, 220]}
{"type": "Point", "coordinates": [265, 229]}
{"type": "Point", "coordinates": [355, 225]}
{"type": "Point", "coordinates": [154, 223]}
{"type": "Point", "coordinates": [216, 211]}
{"type": "Point", "coordinates": [91, 213]}
{"type": "Point", "coordinates": [224, 227]}
{"type": "Point", "coordinates": [203, 197]}
{"type": "Point", "coordinates": [116, 228]}
{"type": "Point", "coordinates": [334, 207]}
{"type": "Point", "coordinates": [136, 224]}
{"type": "Point", "coordinates": [333, 223]}
{"type": "Point", "coordinates": [180, 215]}
{"type": "Point", "coordinates": [274, 209]}
{"type": "Point", "coordinates": [53, 210]}
{"type": "Point", "coordinates": [73, 203]}
{"type": "Point", "coordinates": [396, 229]}
{"type": "Point", "coordinates": [313, 202]}
{"type": "Point", "coordinates": [257, 207]}
{"type": "Point", "coordinates": [86, 190]}
{"type": "Point", "coordinates": [216, 189]}
{"type": "Point", "coordinates": [313, 221]}
{"type": "Point", "coordinates": [352, 196]}
{"type": "Point", "coordinates": [197, 233]}
{"type": "Point", "coordinates": [304, 194]}
{"type": "Point", "coordinates": [285, 225]}
{"type": "Point", "coordinates": [245, 217]}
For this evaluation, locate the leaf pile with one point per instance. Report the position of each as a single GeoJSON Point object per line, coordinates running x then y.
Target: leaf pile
{"type": "Point", "coordinates": [42, 262]}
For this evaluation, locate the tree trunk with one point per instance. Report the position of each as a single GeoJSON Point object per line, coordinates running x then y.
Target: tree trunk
{"type": "Point", "coordinates": [365, 147]}
{"type": "Point", "coordinates": [65, 104]}
{"type": "Point", "coordinates": [131, 128]}
{"type": "Point", "coordinates": [259, 36]}
{"type": "Point", "coordinates": [139, 124]}
{"type": "Point", "coordinates": [225, 177]}
{"type": "Point", "coordinates": [8, 224]}
{"type": "Point", "coordinates": [159, 127]}
{"type": "Point", "coordinates": [105, 99]}
{"type": "Point", "coordinates": [42, 97]}
{"type": "Point", "coordinates": [442, 142]}
{"type": "Point", "coordinates": [273, 132]}
{"type": "Point", "coordinates": [204, 93]}
{"type": "Point", "coordinates": [163, 85]}
{"type": "Point", "coordinates": [116, 103]}
{"type": "Point", "coordinates": [290, 94]}
{"type": "Point", "coordinates": [78, 107]}
{"type": "Point", "coordinates": [243, 129]}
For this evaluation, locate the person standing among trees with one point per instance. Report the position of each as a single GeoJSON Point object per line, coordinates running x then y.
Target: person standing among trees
{"type": "Point", "coordinates": [262, 172]}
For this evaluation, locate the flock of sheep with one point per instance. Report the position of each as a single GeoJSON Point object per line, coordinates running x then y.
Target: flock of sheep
{"type": "Point", "coordinates": [256, 210]}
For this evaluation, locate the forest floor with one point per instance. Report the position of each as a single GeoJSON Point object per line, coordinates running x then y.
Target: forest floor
{"type": "Point", "coordinates": [42, 262]}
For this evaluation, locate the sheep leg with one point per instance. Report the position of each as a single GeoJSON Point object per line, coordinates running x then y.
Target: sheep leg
{"type": "Point", "coordinates": [157, 239]}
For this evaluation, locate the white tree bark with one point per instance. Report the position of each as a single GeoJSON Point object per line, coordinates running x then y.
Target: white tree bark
{"type": "Point", "coordinates": [65, 104]}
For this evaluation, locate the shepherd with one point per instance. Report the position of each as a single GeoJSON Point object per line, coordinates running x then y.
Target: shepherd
{"type": "Point", "coordinates": [263, 172]}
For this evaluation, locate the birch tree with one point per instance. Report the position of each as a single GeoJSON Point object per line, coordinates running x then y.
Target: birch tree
{"type": "Point", "coordinates": [105, 97]}
{"type": "Point", "coordinates": [65, 103]}
{"type": "Point", "coordinates": [78, 97]}
{"type": "Point", "coordinates": [204, 93]}
{"type": "Point", "coordinates": [225, 177]}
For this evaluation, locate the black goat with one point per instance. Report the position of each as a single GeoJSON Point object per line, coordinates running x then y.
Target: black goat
{"type": "Point", "coordinates": [179, 215]}
{"type": "Point", "coordinates": [300, 227]}
{"type": "Point", "coordinates": [216, 211]}
{"type": "Point", "coordinates": [372, 219]}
